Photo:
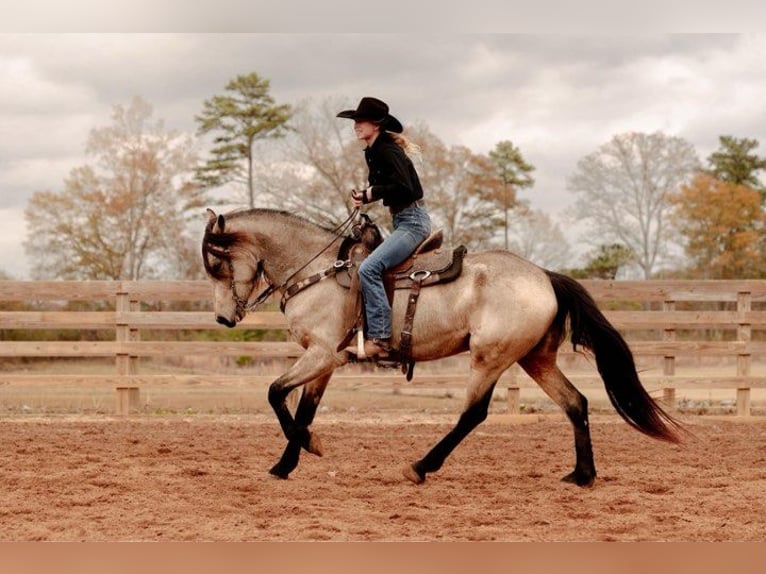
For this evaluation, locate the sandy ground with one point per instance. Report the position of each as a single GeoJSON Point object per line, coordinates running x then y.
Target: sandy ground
{"type": "Point", "coordinates": [204, 477]}
{"type": "Point", "coordinates": [191, 465]}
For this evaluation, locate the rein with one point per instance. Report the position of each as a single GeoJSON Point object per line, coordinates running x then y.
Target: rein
{"type": "Point", "coordinates": [296, 288]}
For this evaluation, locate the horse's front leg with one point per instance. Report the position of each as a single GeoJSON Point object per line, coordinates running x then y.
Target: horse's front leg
{"type": "Point", "coordinates": [314, 367]}
{"type": "Point", "coordinates": [300, 436]}
{"type": "Point", "coordinates": [307, 408]}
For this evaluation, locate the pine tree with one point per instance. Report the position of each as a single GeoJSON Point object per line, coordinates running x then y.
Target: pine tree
{"type": "Point", "coordinates": [245, 114]}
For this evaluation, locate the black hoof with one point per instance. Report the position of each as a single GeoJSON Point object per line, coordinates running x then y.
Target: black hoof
{"type": "Point", "coordinates": [580, 479]}
{"type": "Point", "coordinates": [314, 445]}
{"type": "Point", "coordinates": [277, 472]}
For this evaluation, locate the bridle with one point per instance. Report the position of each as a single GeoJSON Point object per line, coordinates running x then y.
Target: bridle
{"type": "Point", "coordinates": [244, 305]}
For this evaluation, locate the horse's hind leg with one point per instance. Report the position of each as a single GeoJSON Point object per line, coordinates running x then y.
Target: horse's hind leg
{"type": "Point", "coordinates": [476, 410]}
{"type": "Point", "coordinates": [540, 364]}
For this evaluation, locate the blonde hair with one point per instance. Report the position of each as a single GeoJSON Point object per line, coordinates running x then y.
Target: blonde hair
{"type": "Point", "coordinates": [409, 147]}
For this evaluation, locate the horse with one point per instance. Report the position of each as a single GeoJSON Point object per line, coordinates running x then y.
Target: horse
{"type": "Point", "coordinates": [502, 309]}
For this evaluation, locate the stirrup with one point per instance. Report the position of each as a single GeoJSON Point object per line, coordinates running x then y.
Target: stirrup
{"type": "Point", "coordinates": [360, 354]}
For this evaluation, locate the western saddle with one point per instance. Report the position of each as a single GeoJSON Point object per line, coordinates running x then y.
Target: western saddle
{"type": "Point", "coordinates": [428, 265]}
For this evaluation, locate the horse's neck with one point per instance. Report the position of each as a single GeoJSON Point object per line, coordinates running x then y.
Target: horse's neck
{"type": "Point", "coordinates": [285, 244]}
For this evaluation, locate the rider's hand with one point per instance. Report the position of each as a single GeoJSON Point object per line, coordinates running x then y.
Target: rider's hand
{"type": "Point", "coordinates": [357, 197]}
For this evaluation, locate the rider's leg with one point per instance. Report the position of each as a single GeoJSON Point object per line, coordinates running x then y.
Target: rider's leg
{"type": "Point", "coordinates": [412, 226]}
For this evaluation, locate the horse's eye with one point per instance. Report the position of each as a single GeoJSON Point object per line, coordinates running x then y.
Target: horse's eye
{"type": "Point", "coordinates": [216, 269]}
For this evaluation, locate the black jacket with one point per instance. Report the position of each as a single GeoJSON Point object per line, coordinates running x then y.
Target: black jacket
{"type": "Point", "coordinates": [392, 175]}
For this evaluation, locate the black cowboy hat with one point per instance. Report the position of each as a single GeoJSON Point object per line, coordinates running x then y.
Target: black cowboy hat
{"type": "Point", "coordinates": [374, 110]}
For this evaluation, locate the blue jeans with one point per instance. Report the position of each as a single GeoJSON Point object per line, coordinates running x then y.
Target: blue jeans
{"type": "Point", "coordinates": [411, 227]}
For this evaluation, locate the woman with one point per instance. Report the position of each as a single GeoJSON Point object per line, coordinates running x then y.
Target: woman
{"type": "Point", "coordinates": [393, 179]}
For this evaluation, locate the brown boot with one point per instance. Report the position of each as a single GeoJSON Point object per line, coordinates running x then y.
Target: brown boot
{"type": "Point", "coordinates": [377, 347]}
{"type": "Point", "coordinates": [372, 348]}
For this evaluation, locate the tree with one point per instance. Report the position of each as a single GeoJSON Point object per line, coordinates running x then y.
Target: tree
{"type": "Point", "coordinates": [239, 118]}
{"type": "Point", "coordinates": [603, 262]}
{"type": "Point", "coordinates": [734, 163]}
{"type": "Point", "coordinates": [534, 236]}
{"type": "Point", "coordinates": [607, 260]}
{"type": "Point", "coordinates": [123, 217]}
{"type": "Point", "coordinates": [724, 228]}
{"type": "Point", "coordinates": [457, 182]}
{"type": "Point", "coordinates": [513, 171]}
{"type": "Point", "coordinates": [623, 190]}
{"type": "Point", "coordinates": [317, 165]}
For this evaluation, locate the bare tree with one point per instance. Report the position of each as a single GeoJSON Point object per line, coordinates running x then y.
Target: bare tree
{"type": "Point", "coordinates": [314, 169]}
{"type": "Point", "coordinates": [534, 236]}
{"type": "Point", "coordinates": [457, 184]}
{"type": "Point", "coordinates": [123, 217]}
{"type": "Point", "coordinates": [623, 192]}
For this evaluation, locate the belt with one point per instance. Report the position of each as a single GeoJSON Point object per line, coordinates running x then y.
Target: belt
{"type": "Point", "coordinates": [417, 203]}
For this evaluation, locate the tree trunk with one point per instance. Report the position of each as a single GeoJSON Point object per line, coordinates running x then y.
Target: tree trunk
{"type": "Point", "coordinates": [250, 192]}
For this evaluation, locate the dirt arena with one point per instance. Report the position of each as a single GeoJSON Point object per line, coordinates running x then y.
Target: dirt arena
{"type": "Point", "coordinates": [204, 478]}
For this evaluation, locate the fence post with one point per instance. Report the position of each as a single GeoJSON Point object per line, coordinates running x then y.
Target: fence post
{"type": "Point", "coordinates": [127, 397]}
{"type": "Point", "coordinates": [669, 361]}
{"type": "Point", "coordinates": [514, 392]}
{"type": "Point", "coordinates": [744, 331]}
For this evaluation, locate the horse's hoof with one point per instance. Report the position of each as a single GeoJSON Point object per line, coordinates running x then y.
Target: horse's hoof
{"type": "Point", "coordinates": [412, 474]}
{"type": "Point", "coordinates": [277, 472]}
{"type": "Point", "coordinates": [579, 479]}
{"type": "Point", "coordinates": [315, 445]}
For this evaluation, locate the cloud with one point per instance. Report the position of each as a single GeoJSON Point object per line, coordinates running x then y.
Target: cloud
{"type": "Point", "coordinates": [557, 96]}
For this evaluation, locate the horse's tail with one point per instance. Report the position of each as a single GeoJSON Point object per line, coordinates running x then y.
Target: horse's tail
{"type": "Point", "coordinates": [590, 328]}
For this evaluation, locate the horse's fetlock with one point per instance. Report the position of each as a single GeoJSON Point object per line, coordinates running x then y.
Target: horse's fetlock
{"type": "Point", "coordinates": [279, 472]}
{"type": "Point", "coordinates": [578, 413]}
{"type": "Point", "coordinates": [298, 433]}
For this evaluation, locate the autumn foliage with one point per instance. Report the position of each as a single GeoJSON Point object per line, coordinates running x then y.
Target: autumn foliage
{"type": "Point", "coordinates": [723, 225]}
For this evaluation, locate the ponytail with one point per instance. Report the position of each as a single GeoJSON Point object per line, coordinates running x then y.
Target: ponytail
{"type": "Point", "coordinates": [409, 147]}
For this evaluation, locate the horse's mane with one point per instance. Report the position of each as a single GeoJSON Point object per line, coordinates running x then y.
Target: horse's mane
{"type": "Point", "coordinates": [221, 243]}
{"type": "Point", "coordinates": [250, 212]}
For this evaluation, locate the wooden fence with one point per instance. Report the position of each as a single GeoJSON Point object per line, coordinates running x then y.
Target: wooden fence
{"type": "Point", "coordinates": [666, 320]}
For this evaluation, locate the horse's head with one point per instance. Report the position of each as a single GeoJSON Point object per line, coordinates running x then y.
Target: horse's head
{"type": "Point", "coordinates": [233, 268]}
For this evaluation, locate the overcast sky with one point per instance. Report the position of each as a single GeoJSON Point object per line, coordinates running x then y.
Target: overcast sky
{"type": "Point", "coordinates": [558, 97]}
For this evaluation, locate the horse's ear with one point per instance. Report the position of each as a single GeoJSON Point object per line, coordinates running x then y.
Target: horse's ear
{"type": "Point", "coordinates": [215, 223]}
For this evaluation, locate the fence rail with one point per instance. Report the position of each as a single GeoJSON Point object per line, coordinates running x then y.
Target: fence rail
{"type": "Point", "coordinates": [682, 314]}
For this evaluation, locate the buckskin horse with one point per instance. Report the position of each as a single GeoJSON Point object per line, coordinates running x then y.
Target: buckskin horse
{"type": "Point", "coordinates": [502, 309]}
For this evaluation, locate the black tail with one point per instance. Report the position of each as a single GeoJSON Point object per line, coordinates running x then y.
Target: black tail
{"type": "Point", "coordinates": [614, 360]}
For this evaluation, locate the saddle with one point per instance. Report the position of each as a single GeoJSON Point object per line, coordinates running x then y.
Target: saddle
{"type": "Point", "coordinates": [428, 265]}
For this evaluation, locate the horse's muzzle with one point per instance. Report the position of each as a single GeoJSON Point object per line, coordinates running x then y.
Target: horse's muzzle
{"type": "Point", "coordinates": [224, 321]}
